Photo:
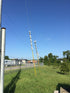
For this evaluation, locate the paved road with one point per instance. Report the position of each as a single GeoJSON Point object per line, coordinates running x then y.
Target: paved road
{"type": "Point", "coordinates": [18, 67]}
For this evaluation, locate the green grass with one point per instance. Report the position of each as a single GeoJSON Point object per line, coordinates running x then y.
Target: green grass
{"type": "Point", "coordinates": [24, 81]}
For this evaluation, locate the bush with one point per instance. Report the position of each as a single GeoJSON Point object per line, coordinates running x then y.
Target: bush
{"type": "Point", "coordinates": [64, 68]}
{"type": "Point", "coordinates": [69, 66]}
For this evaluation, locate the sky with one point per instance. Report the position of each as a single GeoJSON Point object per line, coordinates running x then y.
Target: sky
{"type": "Point", "coordinates": [48, 21]}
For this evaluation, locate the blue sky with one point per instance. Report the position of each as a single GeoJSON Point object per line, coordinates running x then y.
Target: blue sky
{"type": "Point", "coordinates": [48, 20]}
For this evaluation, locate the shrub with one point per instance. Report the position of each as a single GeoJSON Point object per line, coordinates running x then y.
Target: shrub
{"type": "Point", "coordinates": [64, 68]}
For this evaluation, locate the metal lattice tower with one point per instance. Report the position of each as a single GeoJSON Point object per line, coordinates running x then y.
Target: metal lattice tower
{"type": "Point", "coordinates": [37, 54]}
{"type": "Point", "coordinates": [32, 51]}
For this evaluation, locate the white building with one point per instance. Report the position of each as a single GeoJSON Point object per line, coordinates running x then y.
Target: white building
{"type": "Point", "coordinates": [12, 62]}
{"type": "Point", "coordinates": [23, 61]}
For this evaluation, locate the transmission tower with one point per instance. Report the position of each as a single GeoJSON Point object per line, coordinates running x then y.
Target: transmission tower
{"type": "Point", "coordinates": [37, 54]}
{"type": "Point", "coordinates": [32, 52]}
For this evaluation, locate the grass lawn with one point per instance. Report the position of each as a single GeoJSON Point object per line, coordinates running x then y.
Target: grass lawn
{"type": "Point", "coordinates": [24, 81]}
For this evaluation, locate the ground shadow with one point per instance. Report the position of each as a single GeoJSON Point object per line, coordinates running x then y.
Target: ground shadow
{"type": "Point", "coordinates": [10, 88]}
{"type": "Point", "coordinates": [60, 73]}
{"type": "Point", "coordinates": [63, 73]}
{"type": "Point", "coordinates": [65, 86]}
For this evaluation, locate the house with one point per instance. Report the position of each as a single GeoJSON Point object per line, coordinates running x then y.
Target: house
{"type": "Point", "coordinates": [24, 61]}
{"type": "Point", "coordinates": [32, 61]}
{"type": "Point", "coordinates": [9, 63]}
{"type": "Point", "coordinates": [13, 62]}
{"type": "Point", "coordinates": [17, 61]}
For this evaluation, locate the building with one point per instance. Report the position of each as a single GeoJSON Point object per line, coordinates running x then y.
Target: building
{"type": "Point", "coordinates": [32, 61]}
{"type": "Point", "coordinates": [24, 61]}
{"type": "Point", "coordinates": [13, 62]}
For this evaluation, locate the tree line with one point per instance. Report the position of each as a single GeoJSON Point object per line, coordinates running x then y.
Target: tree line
{"type": "Point", "coordinates": [63, 63]}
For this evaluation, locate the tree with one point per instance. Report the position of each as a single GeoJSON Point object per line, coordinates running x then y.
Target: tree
{"type": "Point", "coordinates": [55, 60]}
{"type": "Point", "coordinates": [58, 62]}
{"type": "Point", "coordinates": [66, 54]}
{"type": "Point", "coordinates": [7, 57]}
{"type": "Point", "coordinates": [64, 68]}
{"type": "Point", "coordinates": [45, 60]}
{"type": "Point", "coordinates": [50, 58]}
{"type": "Point", "coordinates": [41, 59]}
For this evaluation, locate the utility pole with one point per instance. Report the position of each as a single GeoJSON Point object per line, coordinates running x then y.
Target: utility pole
{"type": "Point", "coordinates": [0, 42]}
{"type": "Point", "coordinates": [2, 58]}
{"type": "Point", "coordinates": [0, 12]}
{"type": "Point", "coordinates": [32, 51]}
{"type": "Point", "coordinates": [37, 54]}
{"type": "Point", "coordinates": [2, 52]}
